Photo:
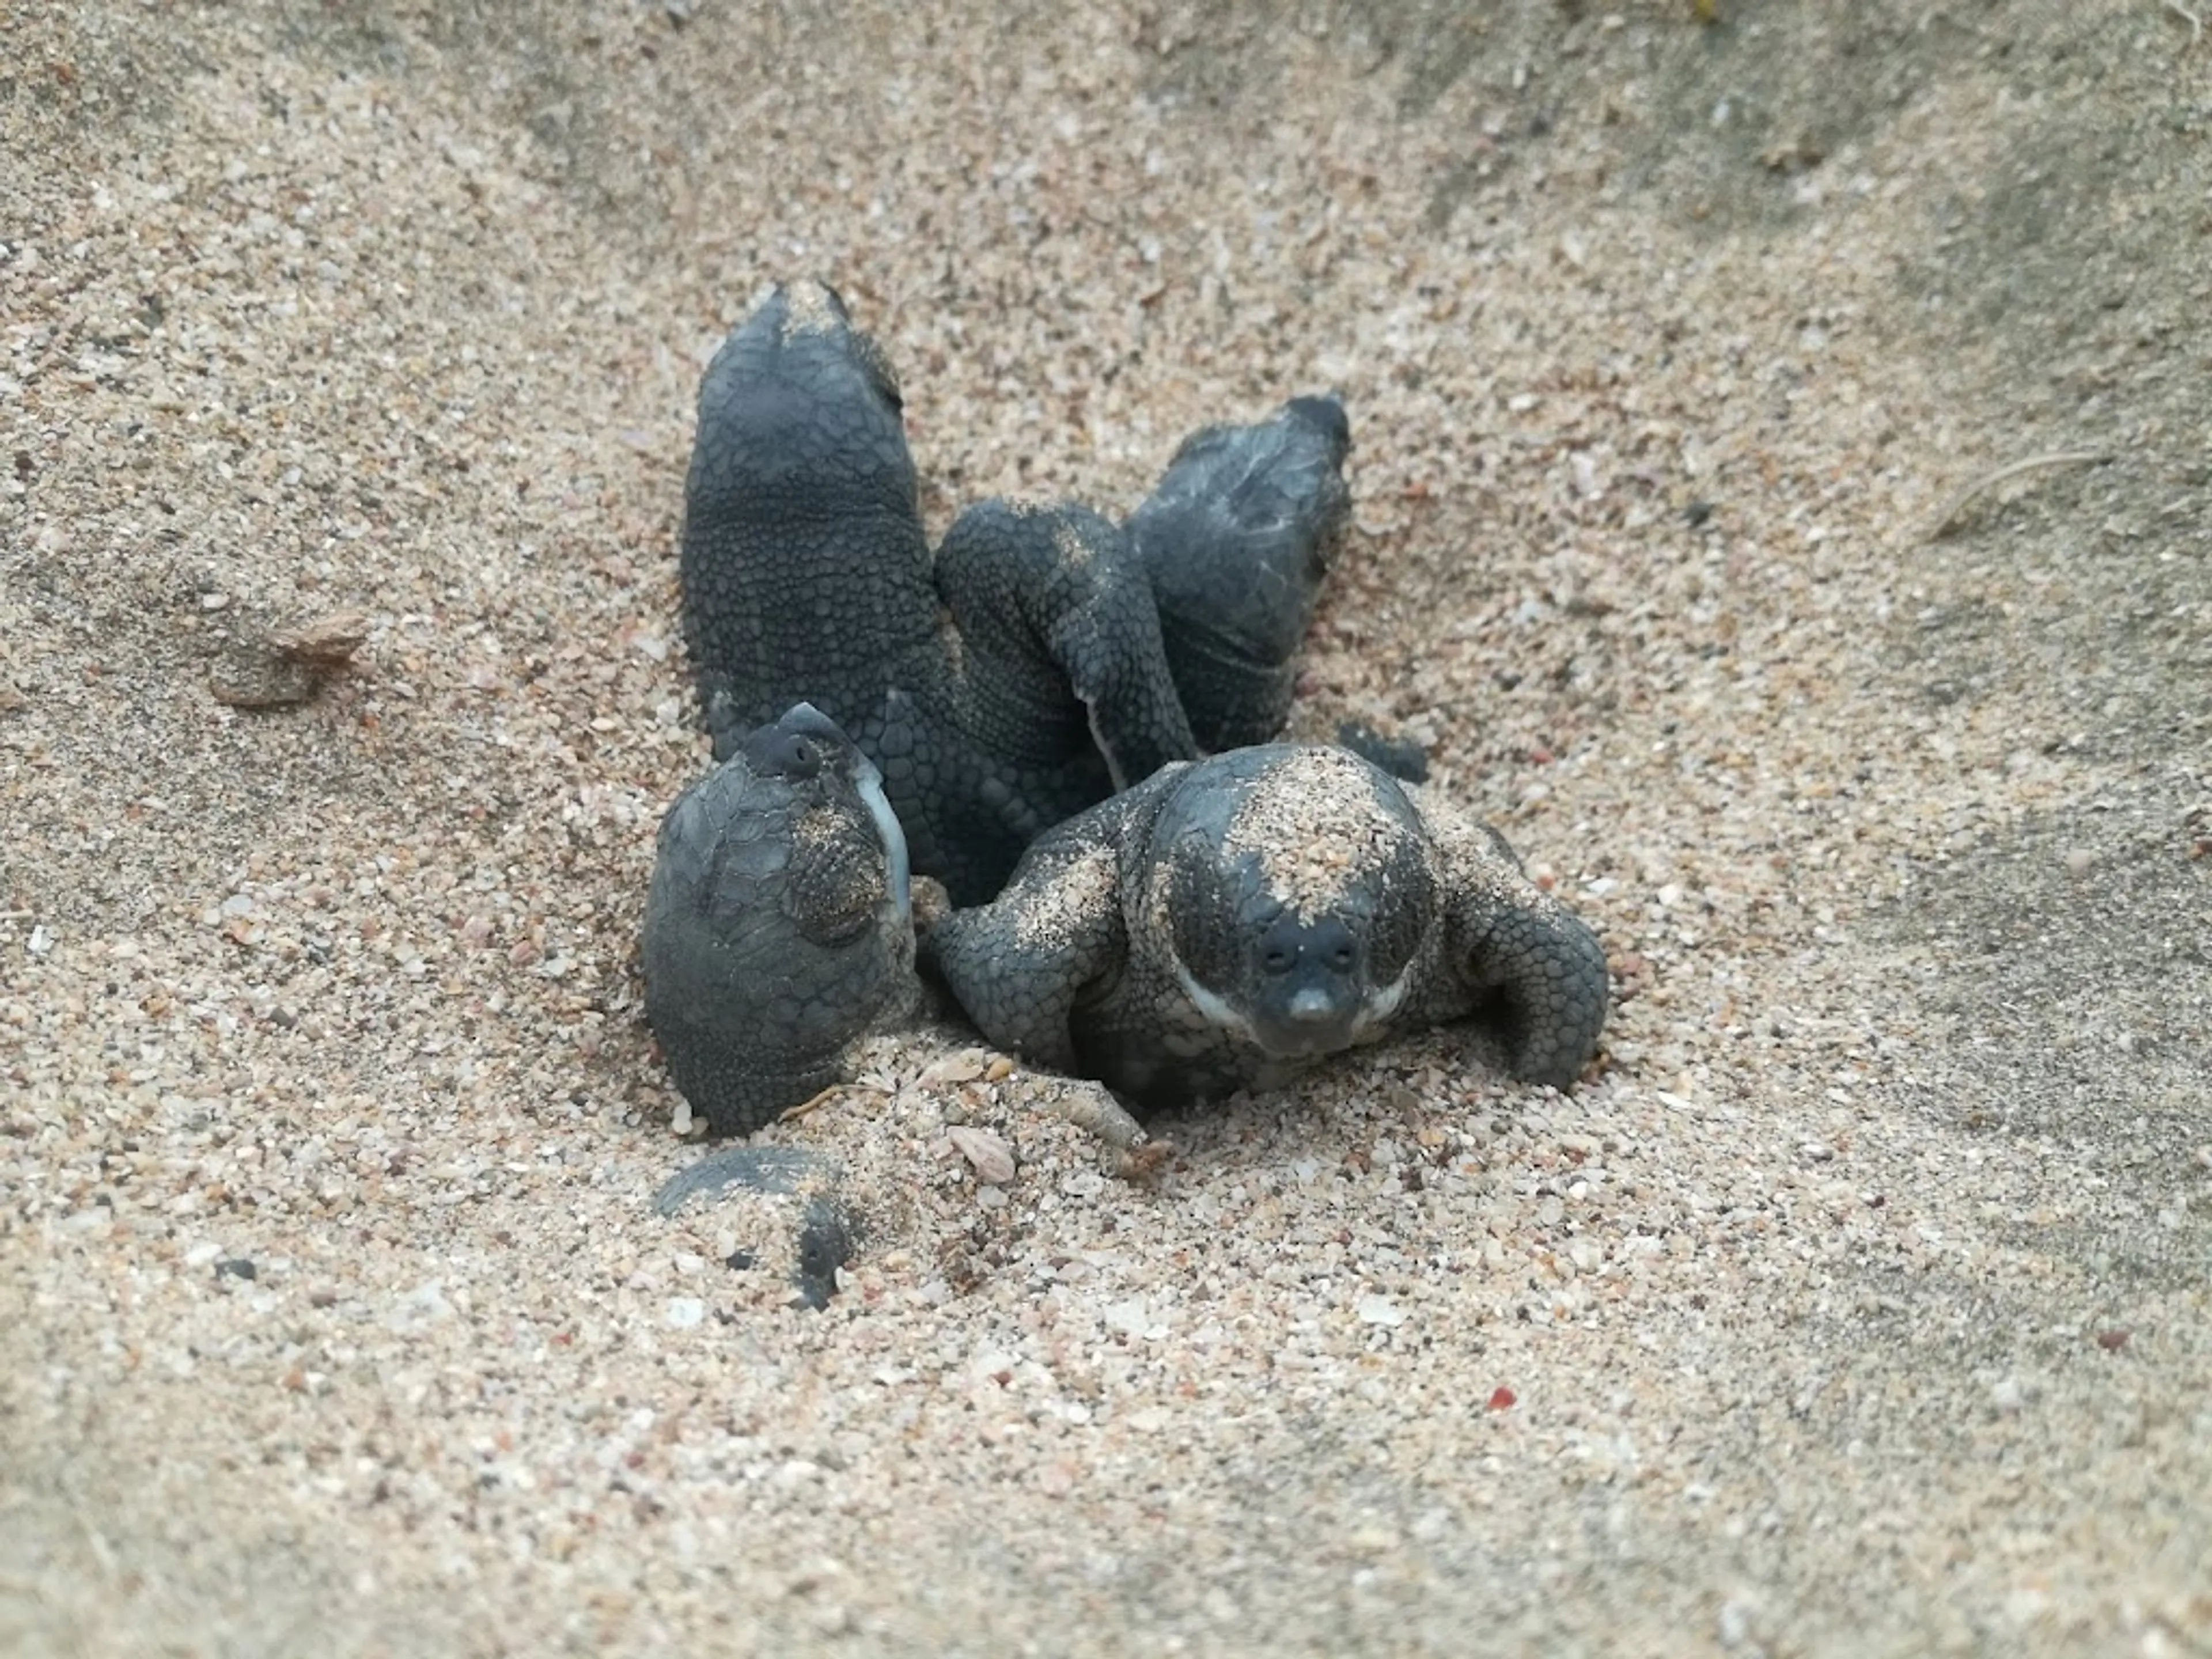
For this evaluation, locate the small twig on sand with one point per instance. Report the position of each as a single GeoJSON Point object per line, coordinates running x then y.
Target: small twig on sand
{"type": "Point", "coordinates": [1129, 1153]}
{"type": "Point", "coordinates": [1942, 525]}
{"type": "Point", "coordinates": [813, 1103]}
{"type": "Point", "coordinates": [2196, 23]}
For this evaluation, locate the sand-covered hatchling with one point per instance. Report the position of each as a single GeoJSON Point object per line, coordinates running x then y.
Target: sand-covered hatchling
{"type": "Point", "coordinates": [779, 926]}
{"type": "Point", "coordinates": [1020, 674]}
{"type": "Point", "coordinates": [1228, 924]}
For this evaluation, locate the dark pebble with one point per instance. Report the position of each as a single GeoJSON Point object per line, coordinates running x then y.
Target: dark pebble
{"type": "Point", "coordinates": [825, 1244]}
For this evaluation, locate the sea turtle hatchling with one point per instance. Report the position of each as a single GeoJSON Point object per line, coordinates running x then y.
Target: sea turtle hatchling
{"type": "Point", "coordinates": [1001, 685]}
{"type": "Point", "coordinates": [778, 924]}
{"type": "Point", "coordinates": [1236, 541]}
{"type": "Point", "coordinates": [1230, 923]}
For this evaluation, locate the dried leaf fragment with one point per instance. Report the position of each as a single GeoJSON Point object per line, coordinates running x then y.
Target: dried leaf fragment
{"type": "Point", "coordinates": [289, 664]}
{"type": "Point", "coordinates": [1093, 1108]}
{"type": "Point", "coordinates": [329, 639]}
{"type": "Point", "coordinates": [992, 1157]}
{"type": "Point", "coordinates": [963, 1068]}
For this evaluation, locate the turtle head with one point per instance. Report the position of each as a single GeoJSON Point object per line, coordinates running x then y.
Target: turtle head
{"type": "Point", "coordinates": [1306, 986]}
{"type": "Point", "coordinates": [807, 747]}
{"type": "Point", "coordinates": [804, 330]}
{"type": "Point", "coordinates": [1296, 895]}
{"type": "Point", "coordinates": [779, 923]}
{"type": "Point", "coordinates": [1325, 414]}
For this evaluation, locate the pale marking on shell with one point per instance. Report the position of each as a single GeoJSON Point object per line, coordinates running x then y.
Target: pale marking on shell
{"type": "Point", "coordinates": [890, 836]}
{"type": "Point", "coordinates": [1320, 829]}
{"type": "Point", "coordinates": [1381, 1004]}
{"type": "Point", "coordinates": [1217, 1011]}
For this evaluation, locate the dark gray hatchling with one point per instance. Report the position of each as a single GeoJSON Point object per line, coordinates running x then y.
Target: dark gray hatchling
{"type": "Point", "coordinates": [779, 926]}
{"type": "Point", "coordinates": [1008, 682]}
{"type": "Point", "coordinates": [1235, 542]}
{"type": "Point", "coordinates": [1230, 923]}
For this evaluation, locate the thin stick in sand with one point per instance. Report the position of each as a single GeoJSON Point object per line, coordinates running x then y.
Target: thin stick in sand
{"type": "Point", "coordinates": [1942, 525]}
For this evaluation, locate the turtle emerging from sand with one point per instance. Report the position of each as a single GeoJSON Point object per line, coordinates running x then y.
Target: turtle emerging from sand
{"type": "Point", "coordinates": [779, 925]}
{"type": "Point", "coordinates": [1020, 675]}
{"type": "Point", "coordinates": [1228, 924]}
{"type": "Point", "coordinates": [1236, 541]}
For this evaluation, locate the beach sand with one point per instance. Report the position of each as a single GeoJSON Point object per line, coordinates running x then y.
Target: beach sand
{"type": "Point", "coordinates": [1855, 1302]}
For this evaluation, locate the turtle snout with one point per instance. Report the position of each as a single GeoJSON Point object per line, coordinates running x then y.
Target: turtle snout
{"type": "Point", "coordinates": [1309, 987]}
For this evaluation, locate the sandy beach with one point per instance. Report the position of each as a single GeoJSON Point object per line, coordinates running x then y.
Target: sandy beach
{"type": "Point", "coordinates": [1782, 483]}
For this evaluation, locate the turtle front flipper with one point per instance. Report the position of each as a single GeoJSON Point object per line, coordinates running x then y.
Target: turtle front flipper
{"type": "Point", "coordinates": [1235, 542]}
{"type": "Point", "coordinates": [1508, 941]}
{"type": "Point", "coordinates": [1060, 639]}
{"type": "Point", "coordinates": [1020, 965]}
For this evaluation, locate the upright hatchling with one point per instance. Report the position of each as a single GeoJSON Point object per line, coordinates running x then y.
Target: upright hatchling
{"type": "Point", "coordinates": [778, 927]}
{"type": "Point", "coordinates": [1236, 541]}
{"type": "Point", "coordinates": [1018, 674]}
{"type": "Point", "coordinates": [1230, 923]}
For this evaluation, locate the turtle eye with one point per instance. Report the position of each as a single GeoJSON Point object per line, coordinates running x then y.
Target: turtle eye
{"type": "Point", "coordinates": [1343, 957]}
{"type": "Point", "coordinates": [1279, 952]}
{"type": "Point", "coordinates": [794, 756]}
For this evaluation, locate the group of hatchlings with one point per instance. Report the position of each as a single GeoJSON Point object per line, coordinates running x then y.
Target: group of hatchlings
{"type": "Point", "coordinates": [1068, 723]}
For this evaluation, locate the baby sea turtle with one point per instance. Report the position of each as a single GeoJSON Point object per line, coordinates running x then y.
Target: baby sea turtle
{"type": "Point", "coordinates": [1236, 541]}
{"type": "Point", "coordinates": [1228, 924]}
{"type": "Point", "coordinates": [1020, 675]}
{"type": "Point", "coordinates": [779, 926]}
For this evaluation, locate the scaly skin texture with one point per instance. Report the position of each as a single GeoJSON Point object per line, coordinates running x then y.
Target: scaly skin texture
{"type": "Point", "coordinates": [1228, 924]}
{"type": "Point", "coordinates": [1236, 540]}
{"type": "Point", "coordinates": [1015, 679]}
{"type": "Point", "coordinates": [779, 926]}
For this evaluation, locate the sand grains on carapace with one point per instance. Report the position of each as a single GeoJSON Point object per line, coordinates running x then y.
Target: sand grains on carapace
{"type": "Point", "coordinates": [1319, 824]}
